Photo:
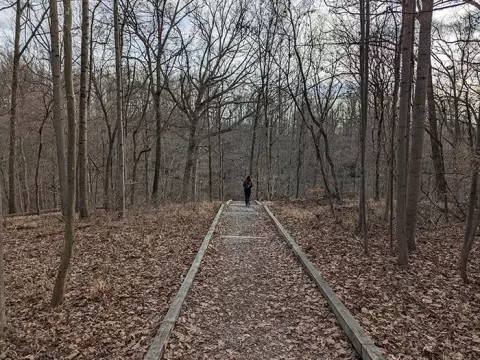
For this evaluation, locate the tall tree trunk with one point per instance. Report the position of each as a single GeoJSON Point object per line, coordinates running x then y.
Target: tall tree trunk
{"type": "Point", "coordinates": [410, 94]}
{"type": "Point", "coordinates": [24, 183]}
{"type": "Point", "coordinates": [220, 146]}
{"type": "Point", "coordinates": [195, 174]}
{"type": "Point", "coordinates": [134, 170]}
{"type": "Point", "coordinates": [436, 144]}
{"type": "Point", "coordinates": [210, 170]}
{"type": "Point", "coordinates": [472, 218]}
{"type": "Point", "coordinates": [187, 174]}
{"type": "Point", "coordinates": [107, 198]}
{"type": "Point", "coordinates": [3, 315]}
{"type": "Point", "coordinates": [379, 147]}
{"type": "Point", "coordinates": [365, 29]}
{"type": "Point", "coordinates": [82, 132]}
{"type": "Point", "coordinates": [301, 151]}
{"type": "Point", "coordinates": [330, 163]}
{"type": "Point", "coordinates": [157, 101]}
{"type": "Point", "coordinates": [393, 111]}
{"type": "Point", "coordinates": [59, 288]}
{"type": "Point", "coordinates": [268, 154]}
{"type": "Point", "coordinates": [120, 137]}
{"type": "Point", "coordinates": [37, 169]}
{"type": "Point", "coordinates": [12, 201]}
{"type": "Point", "coordinates": [254, 133]}
{"type": "Point", "coordinates": [58, 122]}
{"type": "Point", "coordinates": [418, 123]}
{"type": "Point", "coordinates": [406, 78]}
{"type": "Point", "coordinates": [158, 151]}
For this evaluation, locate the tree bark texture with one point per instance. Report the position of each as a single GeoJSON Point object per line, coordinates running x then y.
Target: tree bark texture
{"type": "Point", "coordinates": [120, 136]}
{"type": "Point", "coordinates": [59, 287]}
{"type": "Point", "coordinates": [82, 131]}
{"type": "Point", "coordinates": [58, 122]}
{"type": "Point", "coordinates": [418, 123]}
{"type": "Point", "coordinates": [401, 175]}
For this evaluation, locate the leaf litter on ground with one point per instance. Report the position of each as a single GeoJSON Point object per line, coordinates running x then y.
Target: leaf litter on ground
{"type": "Point", "coordinates": [422, 312]}
{"type": "Point", "coordinates": [123, 276]}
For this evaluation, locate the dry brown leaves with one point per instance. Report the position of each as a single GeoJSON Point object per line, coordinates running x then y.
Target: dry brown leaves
{"type": "Point", "coordinates": [121, 281]}
{"type": "Point", "coordinates": [252, 300]}
{"type": "Point", "coordinates": [423, 312]}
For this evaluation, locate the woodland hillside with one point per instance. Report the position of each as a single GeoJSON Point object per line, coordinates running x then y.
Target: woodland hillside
{"type": "Point", "coordinates": [119, 116]}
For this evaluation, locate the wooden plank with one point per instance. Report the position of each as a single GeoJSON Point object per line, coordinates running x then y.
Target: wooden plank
{"type": "Point", "coordinates": [358, 337]}
{"type": "Point", "coordinates": [243, 237]}
{"type": "Point", "coordinates": [160, 341]}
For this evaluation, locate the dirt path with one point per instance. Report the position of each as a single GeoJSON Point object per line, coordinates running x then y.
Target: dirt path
{"type": "Point", "coordinates": [252, 300]}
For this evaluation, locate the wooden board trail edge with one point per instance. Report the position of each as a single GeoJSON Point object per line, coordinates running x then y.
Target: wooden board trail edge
{"type": "Point", "coordinates": [160, 341]}
{"type": "Point", "coordinates": [358, 337]}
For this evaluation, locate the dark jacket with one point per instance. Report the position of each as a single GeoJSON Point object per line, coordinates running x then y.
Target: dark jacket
{"type": "Point", "coordinates": [247, 186]}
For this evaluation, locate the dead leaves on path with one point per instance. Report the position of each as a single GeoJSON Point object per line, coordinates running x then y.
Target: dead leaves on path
{"type": "Point", "coordinates": [424, 312]}
{"type": "Point", "coordinates": [252, 300]}
{"type": "Point", "coordinates": [122, 279]}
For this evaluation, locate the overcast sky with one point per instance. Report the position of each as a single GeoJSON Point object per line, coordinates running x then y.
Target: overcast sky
{"type": "Point", "coordinates": [7, 19]}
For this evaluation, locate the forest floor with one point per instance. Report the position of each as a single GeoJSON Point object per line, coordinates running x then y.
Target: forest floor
{"type": "Point", "coordinates": [422, 312]}
{"type": "Point", "coordinates": [123, 277]}
{"type": "Point", "coordinates": [252, 300]}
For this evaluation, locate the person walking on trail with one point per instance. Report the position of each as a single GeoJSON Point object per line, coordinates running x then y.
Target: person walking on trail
{"type": "Point", "coordinates": [247, 189]}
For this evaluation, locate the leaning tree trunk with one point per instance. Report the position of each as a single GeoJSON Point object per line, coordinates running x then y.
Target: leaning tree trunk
{"type": "Point", "coordinates": [59, 288]}
{"type": "Point", "coordinates": [58, 125]}
{"type": "Point", "coordinates": [82, 132]}
{"type": "Point", "coordinates": [119, 92]}
{"type": "Point", "coordinates": [418, 123]}
{"type": "Point", "coordinates": [406, 78]}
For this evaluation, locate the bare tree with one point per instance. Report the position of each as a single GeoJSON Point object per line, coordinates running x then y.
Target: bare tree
{"type": "Point", "coordinates": [120, 136]}
{"type": "Point", "coordinates": [59, 288]}
{"type": "Point", "coordinates": [155, 36]}
{"type": "Point", "coordinates": [418, 123]}
{"type": "Point", "coordinates": [3, 315]}
{"type": "Point", "coordinates": [58, 122]}
{"type": "Point", "coordinates": [401, 175]}
{"type": "Point", "coordinates": [82, 132]}
{"type": "Point", "coordinates": [217, 70]}
{"type": "Point", "coordinates": [436, 145]}
{"type": "Point", "coordinates": [364, 80]}
{"type": "Point", "coordinates": [17, 55]}
{"type": "Point", "coordinates": [309, 66]}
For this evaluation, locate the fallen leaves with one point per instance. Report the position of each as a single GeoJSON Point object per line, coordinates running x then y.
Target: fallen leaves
{"type": "Point", "coordinates": [252, 300]}
{"type": "Point", "coordinates": [423, 312]}
{"type": "Point", "coordinates": [122, 279]}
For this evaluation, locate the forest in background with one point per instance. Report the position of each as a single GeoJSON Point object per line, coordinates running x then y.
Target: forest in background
{"type": "Point", "coordinates": [109, 104]}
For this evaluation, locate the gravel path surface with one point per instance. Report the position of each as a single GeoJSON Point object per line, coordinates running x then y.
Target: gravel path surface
{"type": "Point", "coordinates": [252, 300]}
